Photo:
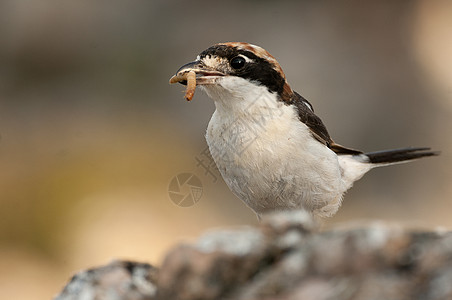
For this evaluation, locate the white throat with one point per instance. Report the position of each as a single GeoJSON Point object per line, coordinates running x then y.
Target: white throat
{"type": "Point", "coordinates": [235, 95]}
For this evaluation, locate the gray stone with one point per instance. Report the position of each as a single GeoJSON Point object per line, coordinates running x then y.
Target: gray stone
{"type": "Point", "coordinates": [285, 258]}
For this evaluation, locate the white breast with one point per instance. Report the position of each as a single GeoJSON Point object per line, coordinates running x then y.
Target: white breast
{"type": "Point", "coordinates": [266, 155]}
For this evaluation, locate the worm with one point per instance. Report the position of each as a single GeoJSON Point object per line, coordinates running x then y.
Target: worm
{"type": "Point", "coordinates": [191, 85]}
{"type": "Point", "coordinates": [190, 77]}
{"type": "Point", "coordinates": [177, 78]}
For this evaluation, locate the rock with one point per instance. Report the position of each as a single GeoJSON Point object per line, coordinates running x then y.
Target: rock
{"type": "Point", "coordinates": [117, 280]}
{"type": "Point", "coordinates": [285, 258]}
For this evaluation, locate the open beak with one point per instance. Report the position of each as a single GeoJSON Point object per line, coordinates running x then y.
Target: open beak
{"type": "Point", "coordinates": [204, 75]}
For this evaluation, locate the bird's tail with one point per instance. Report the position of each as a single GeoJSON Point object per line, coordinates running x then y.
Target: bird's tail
{"type": "Point", "coordinates": [395, 156]}
{"type": "Point", "coordinates": [355, 166]}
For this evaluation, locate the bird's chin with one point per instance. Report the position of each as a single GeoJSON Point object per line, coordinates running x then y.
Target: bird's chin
{"type": "Point", "coordinates": [208, 80]}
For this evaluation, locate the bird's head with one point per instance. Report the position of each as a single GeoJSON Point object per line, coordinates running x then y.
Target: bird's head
{"type": "Point", "coordinates": [237, 72]}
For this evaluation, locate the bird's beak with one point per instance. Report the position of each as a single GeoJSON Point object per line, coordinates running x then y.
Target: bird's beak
{"type": "Point", "coordinates": [204, 75]}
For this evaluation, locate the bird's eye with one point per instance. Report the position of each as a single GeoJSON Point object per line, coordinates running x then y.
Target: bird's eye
{"type": "Point", "coordinates": [238, 62]}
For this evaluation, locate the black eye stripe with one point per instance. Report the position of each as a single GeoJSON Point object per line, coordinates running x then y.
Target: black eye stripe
{"type": "Point", "coordinates": [260, 70]}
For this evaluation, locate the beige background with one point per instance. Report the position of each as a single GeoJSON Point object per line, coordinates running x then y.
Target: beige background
{"type": "Point", "coordinates": [92, 133]}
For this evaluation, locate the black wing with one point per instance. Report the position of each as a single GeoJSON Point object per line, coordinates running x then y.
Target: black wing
{"type": "Point", "coordinates": [315, 124]}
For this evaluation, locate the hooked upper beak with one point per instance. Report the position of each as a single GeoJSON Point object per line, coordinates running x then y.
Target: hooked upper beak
{"type": "Point", "coordinates": [204, 75]}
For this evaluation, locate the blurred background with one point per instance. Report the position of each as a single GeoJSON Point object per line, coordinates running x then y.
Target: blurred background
{"type": "Point", "coordinates": [91, 133]}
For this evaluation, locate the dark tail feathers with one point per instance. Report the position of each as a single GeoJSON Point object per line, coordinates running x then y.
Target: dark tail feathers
{"type": "Point", "coordinates": [399, 155]}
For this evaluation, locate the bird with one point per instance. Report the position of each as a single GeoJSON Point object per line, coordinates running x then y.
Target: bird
{"type": "Point", "coordinates": [272, 150]}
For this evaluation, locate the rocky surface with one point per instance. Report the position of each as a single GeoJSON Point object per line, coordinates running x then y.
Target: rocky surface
{"type": "Point", "coordinates": [285, 258]}
{"type": "Point", "coordinates": [117, 280]}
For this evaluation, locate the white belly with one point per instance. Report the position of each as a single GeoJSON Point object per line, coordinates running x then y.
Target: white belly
{"type": "Point", "coordinates": [269, 159]}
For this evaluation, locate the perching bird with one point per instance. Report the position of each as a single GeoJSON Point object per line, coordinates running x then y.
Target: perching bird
{"type": "Point", "coordinates": [273, 152]}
